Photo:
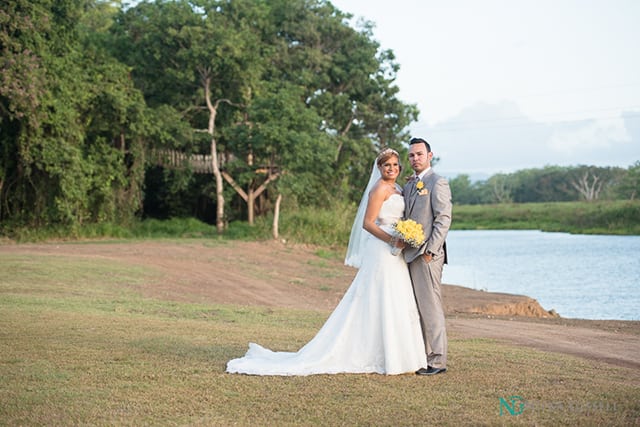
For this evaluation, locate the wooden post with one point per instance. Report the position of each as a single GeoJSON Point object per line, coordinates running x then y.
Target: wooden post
{"type": "Point", "coordinates": [276, 216]}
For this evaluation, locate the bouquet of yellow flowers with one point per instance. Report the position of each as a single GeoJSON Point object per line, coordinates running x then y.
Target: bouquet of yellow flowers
{"type": "Point", "coordinates": [410, 231]}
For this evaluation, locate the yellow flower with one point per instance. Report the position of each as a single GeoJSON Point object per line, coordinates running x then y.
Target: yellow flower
{"type": "Point", "coordinates": [410, 231]}
{"type": "Point", "coordinates": [419, 185]}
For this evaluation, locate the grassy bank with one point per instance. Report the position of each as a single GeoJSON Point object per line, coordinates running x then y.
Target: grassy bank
{"type": "Point", "coordinates": [619, 217]}
{"type": "Point", "coordinates": [81, 345]}
{"type": "Point", "coordinates": [331, 227]}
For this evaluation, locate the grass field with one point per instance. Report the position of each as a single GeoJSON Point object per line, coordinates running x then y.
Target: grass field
{"type": "Point", "coordinates": [79, 345]}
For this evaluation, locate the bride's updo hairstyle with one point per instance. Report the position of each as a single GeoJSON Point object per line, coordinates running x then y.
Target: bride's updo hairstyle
{"type": "Point", "coordinates": [385, 155]}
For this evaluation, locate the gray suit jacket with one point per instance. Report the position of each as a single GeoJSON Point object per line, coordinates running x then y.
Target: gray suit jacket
{"type": "Point", "coordinates": [431, 207]}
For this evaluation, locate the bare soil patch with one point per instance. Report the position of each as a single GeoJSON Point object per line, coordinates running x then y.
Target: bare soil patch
{"type": "Point", "coordinates": [273, 274]}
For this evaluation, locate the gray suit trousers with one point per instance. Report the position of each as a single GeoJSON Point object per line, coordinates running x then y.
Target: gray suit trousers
{"type": "Point", "coordinates": [426, 278]}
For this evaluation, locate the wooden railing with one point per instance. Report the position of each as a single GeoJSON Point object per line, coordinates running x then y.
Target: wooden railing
{"type": "Point", "coordinates": [199, 163]}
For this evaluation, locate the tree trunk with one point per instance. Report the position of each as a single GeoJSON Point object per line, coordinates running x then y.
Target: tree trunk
{"type": "Point", "coordinates": [276, 216]}
{"type": "Point", "coordinates": [251, 195]}
{"type": "Point", "coordinates": [219, 189]}
{"type": "Point", "coordinates": [213, 110]}
{"type": "Point", "coordinates": [588, 185]}
{"type": "Point", "coordinates": [250, 206]}
{"type": "Point", "coordinates": [342, 136]}
{"type": "Point", "coordinates": [501, 192]}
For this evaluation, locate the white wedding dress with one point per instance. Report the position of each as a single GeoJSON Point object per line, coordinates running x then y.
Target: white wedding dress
{"type": "Point", "coordinates": [374, 328]}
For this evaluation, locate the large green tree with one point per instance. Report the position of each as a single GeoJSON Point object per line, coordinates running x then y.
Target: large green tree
{"type": "Point", "coordinates": [285, 96]}
{"type": "Point", "coordinates": [200, 60]}
{"type": "Point", "coordinates": [289, 94]}
{"type": "Point", "coordinates": [346, 79]}
{"type": "Point", "coordinates": [70, 118]}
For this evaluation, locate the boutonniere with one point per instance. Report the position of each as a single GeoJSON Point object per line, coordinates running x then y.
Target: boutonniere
{"type": "Point", "coordinates": [421, 190]}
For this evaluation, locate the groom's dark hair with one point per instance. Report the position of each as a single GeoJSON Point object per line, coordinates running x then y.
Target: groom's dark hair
{"type": "Point", "coordinates": [420, 141]}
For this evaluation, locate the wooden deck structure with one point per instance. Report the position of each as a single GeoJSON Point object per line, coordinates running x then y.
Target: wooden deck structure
{"type": "Point", "coordinates": [199, 163]}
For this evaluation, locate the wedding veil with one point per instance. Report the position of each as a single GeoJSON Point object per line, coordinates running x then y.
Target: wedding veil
{"type": "Point", "coordinates": [359, 234]}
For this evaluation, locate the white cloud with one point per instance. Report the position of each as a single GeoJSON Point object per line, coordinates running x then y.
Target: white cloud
{"type": "Point", "coordinates": [590, 136]}
{"type": "Point", "coordinates": [485, 139]}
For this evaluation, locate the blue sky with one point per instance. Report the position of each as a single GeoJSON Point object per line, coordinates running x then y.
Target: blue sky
{"type": "Point", "coordinates": [504, 85]}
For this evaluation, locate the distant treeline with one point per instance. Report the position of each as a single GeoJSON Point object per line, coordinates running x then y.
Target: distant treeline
{"type": "Point", "coordinates": [551, 184]}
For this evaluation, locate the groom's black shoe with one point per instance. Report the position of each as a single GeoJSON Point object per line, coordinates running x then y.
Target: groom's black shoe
{"type": "Point", "coordinates": [430, 370]}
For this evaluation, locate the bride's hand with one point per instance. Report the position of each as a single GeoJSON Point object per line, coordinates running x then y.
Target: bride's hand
{"type": "Point", "coordinates": [397, 245]}
{"type": "Point", "coordinates": [396, 242]}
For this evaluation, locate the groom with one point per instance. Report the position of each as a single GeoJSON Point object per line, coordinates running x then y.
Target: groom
{"type": "Point", "coordinates": [428, 202]}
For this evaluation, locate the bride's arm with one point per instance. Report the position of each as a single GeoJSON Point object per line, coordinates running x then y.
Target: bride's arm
{"type": "Point", "coordinates": [377, 196]}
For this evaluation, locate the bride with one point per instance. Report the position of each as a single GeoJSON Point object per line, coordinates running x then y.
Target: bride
{"type": "Point", "coordinates": [375, 327]}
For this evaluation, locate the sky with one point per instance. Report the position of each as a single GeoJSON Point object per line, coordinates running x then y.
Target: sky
{"type": "Point", "coordinates": [506, 85]}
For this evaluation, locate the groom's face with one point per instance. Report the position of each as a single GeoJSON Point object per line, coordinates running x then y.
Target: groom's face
{"type": "Point", "coordinates": [419, 157]}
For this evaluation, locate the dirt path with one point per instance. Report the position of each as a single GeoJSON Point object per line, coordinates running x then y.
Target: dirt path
{"type": "Point", "coordinates": [618, 348]}
{"type": "Point", "coordinates": [278, 275]}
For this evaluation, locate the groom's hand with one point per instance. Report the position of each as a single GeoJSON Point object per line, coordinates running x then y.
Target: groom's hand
{"type": "Point", "coordinates": [428, 256]}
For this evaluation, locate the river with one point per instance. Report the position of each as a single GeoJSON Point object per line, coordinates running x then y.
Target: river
{"type": "Point", "coordinates": [579, 276]}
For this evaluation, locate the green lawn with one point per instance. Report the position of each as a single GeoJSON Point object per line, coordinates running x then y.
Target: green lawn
{"type": "Point", "coordinates": [80, 346]}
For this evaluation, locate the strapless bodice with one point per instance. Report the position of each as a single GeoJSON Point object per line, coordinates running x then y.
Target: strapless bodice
{"type": "Point", "coordinates": [392, 210]}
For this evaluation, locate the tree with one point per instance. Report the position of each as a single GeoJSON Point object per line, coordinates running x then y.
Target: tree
{"type": "Point", "coordinates": [500, 188]}
{"type": "Point", "coordinates": [346, 79]}
{"type": "Point", "coordinates": [272, 65]}
{"type": "Point", "coordinates": [319, 63]}
{"type": "Point", "coordinates": [65, 139]}
{"type": "Point", "coordinates": [193, 57]}
{"type": "Point", "coordinates": [549, 184]}
{"type": "Point", "coordinates": [591, 181]}
{"type": "Point", "coordinates": [463, 191]}
{"type": "Point", "coordinates": [629, 187]}
{"type": "Point", "coordinates": [588, 184]}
